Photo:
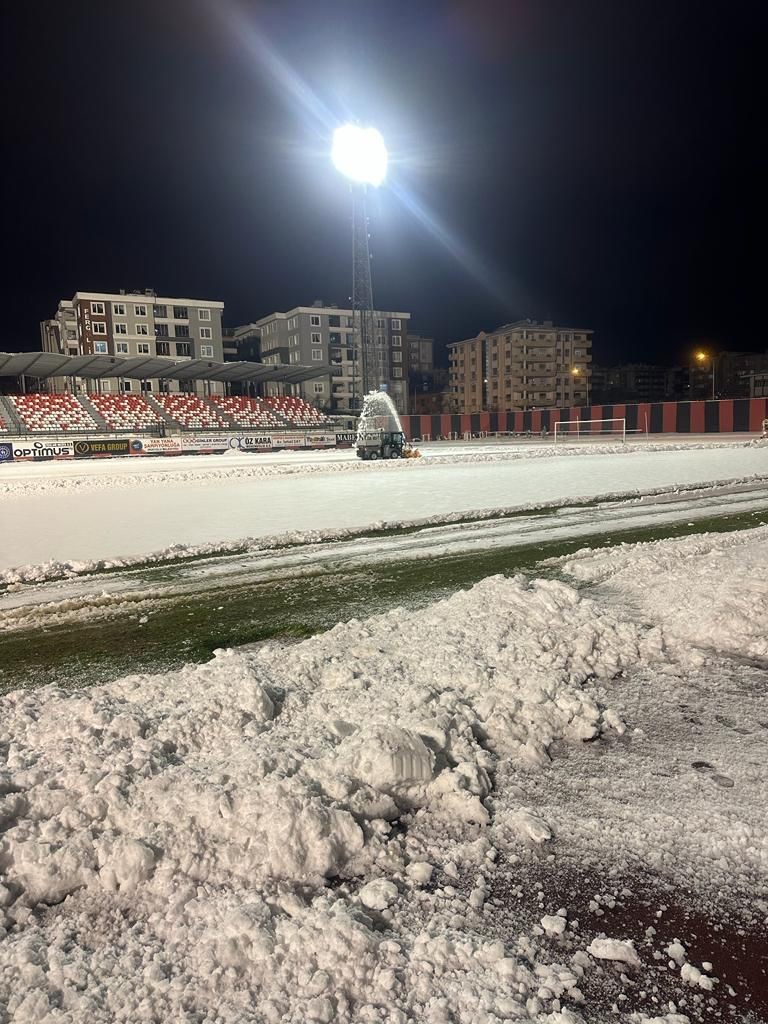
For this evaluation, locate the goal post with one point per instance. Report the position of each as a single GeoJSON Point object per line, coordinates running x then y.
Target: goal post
{"type": "Point", "coordinates": [581, 430]}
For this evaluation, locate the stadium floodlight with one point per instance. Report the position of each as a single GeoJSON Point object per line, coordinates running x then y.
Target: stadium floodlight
{"type": "Point", "coordinates": [360, 154]}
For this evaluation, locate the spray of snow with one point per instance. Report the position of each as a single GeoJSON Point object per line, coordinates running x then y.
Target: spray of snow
{"type": "Point", "coordinates": [378, 413]}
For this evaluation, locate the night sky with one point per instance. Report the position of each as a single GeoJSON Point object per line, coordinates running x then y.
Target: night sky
{"type": "Point", "coordinates": [592, 162]}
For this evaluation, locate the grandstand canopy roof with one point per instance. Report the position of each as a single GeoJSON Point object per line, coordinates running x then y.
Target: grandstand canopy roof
{"type": "Point", "coordinates": [50, 364]}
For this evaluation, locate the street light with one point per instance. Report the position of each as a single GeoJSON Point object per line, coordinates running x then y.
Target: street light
{"type": "Point", "coordinates": [701, 358]}
{"type": "Point", "coordinates": [361, 156]}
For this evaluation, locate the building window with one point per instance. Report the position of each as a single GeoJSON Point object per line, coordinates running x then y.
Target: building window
{"type": "Point", "coordinates": [397, 341]}
{"type": "Point", "coordinates": [397, 372]}
{"type": "Point", "coordinates": [142, 347]}
{"type": "Point", "coordinates": [97, 308]}
{"type": "Point", "coordinates": [121, 347]}
{"type": "Point", "coordinates": [161, 311]}
{"type": "Point", "coordinates": [317, 355]}
{"type": "Point", "coordinates": [397, 357]}
{"type": "Point", "coordinates": [206, 351]}
{"type": "Point", "coordinates": [334, 321]}
{"type": "Point", "coordinates": [99, 327]}
{"type": "Point", "coordinates": [205, 333]}
{"type": "Point", "coordinates": [121, 328]}
{"type": "Point", "coordinates": [181, 331]}
{"type": "Point", "coordinates": [140, 310]}
{"type": "Point", "coordinates": [317, 338]}
{"type": "Point", "coordinates": [318, 387]}
{"type": "Point", "coordinates": [118, 308]}
{"type": "Point", "coordinates": [183, 348]}
{"type": "Point", "coordinates": [204, 314]}
{"type": "Point", "coordinates": [314, 320]}
{"type": "Point", "coordinates": [142, 330]}
{"type": "Point", "coordinates": [381, 324]}
{"type": "Point", "coordinates": [100, 346]}
{"type": "Point", "coordinates": [161, 330]}
{"type": "Point", "coordinates": [395, 325]}
{"type": "Point", "coordinates": [146, 385]}
{"type": "Point", "coordinates": [127, 386]}
{"type": "Point", "coordinates": [163, 348]}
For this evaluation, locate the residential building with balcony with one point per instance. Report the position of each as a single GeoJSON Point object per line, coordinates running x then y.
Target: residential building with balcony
{"type": "Point", "coordinates": [521, 365]}
{"type": "Point", "coordinates": [135, 325]}
{"type": "Point", "coordinates": [320, 335]}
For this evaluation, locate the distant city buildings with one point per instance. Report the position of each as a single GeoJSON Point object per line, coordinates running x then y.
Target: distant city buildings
{"type": "Point", "coordinates": [736, 375]}
{"type": "Point", "coordinates": [642, 381]}
{"type": "Point", "coordinates": [324, 336]}
{"type": "Point", "coordinates": [521, 365]}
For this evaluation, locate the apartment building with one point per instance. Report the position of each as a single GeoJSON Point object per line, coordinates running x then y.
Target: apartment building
{"type": "Point", "coordinates": [320, 335]}
{"type": "Point", "coordinates": [135, 324]}
{"type": "Point", "coordinates": [521, 365]}
{"type": "Point", "coordinates": [635, 382]}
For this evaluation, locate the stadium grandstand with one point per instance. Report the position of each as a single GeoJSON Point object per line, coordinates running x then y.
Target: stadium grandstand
{"type": "Point", "coordinates": [27, 407]}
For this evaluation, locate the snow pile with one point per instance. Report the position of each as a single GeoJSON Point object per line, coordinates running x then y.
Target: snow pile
{"type": "Point", "coordinates": [188, 821]}
{"type": "Point", "coordinates": [706, 590]}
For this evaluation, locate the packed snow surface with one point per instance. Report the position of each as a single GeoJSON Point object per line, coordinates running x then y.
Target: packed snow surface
{"type": "Point", "coordinates": [255, 500]}
{"type": "Point", "coordinates": [248, 840]}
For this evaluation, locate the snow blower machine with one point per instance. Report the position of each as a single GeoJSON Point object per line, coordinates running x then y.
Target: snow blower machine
{"type": "Point", "coordinates": [384, 444]}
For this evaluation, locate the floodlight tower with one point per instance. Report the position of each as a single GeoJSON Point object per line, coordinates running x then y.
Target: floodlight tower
{"type": "Point", "coordinates": [361, 156]}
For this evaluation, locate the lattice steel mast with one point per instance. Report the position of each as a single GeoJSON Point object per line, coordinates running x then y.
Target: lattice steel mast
{"type": "Point", "coordinates": [362, 296]}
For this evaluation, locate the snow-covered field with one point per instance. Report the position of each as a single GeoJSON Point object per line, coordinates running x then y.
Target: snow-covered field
{"type": "Point", "coordinates": [133, 508]}
{"type": "Point", "coordinates": [506, 806]}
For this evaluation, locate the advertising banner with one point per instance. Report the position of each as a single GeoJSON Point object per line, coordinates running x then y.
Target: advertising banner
{"type": "Point", "coordinates": [43, 448]}
{"type": "Point", "coordinates": [288, 441]}
{"type": "Point", "coordinates": [91, 448]}
{"type": "Point", "coordinates": [6, 452]}
{"type": "Point", "coordinates": [320, 440]}
{"type": "Point", "coordinates": [345, 440]}
{"type": "Point", "coordinates": [155, 446]}
{"type": "Point", "coordinates": [253, 442]}
{"type": "Point", "coordinates": [206, 443]}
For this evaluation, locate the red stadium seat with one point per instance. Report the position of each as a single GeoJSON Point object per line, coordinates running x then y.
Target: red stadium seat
{"type": "Point", "coordinates": [297, 412]}
{"type": "Point", "coordinates": [191, 412]}
{"type": "Point", "coordinates": [125, 412]}
{"type": "Point", "coordinates": [247, 412]}
{"type": "Point", "coordinates": [52, 413]}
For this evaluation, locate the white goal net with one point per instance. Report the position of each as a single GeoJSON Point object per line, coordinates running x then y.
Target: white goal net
{"type": "Point", "coordinates": [585, 430]}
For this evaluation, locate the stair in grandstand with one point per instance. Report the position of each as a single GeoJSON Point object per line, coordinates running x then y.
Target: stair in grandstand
{"type": "Point", "coordinates": [9, 420]}
{"type": "Point", "coordinates": [93, 412]}
{"type": "Point", "coordinates": [191, 412]}
{"type": "Point", "coordinates": [155, 406]}
{"type": "Point", "coordinates": [126, 412]}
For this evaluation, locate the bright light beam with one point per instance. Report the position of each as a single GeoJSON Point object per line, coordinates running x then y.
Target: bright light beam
{"type": "Point", "coordinates": [291, 87]}
{"type": "Point", "coordinates": [360, 154]}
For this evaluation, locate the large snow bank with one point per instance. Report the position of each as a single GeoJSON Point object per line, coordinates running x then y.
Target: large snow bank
{"type": "Point", "coordinates": [710, 590]}
{"type": "Point", "coordinates": [243, 841]}
{"type": "Point", "coordinates": [188, 820]}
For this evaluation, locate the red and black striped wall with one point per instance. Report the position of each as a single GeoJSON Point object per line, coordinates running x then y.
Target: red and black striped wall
{"type": "Point", "coordinates": [731, 415]}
